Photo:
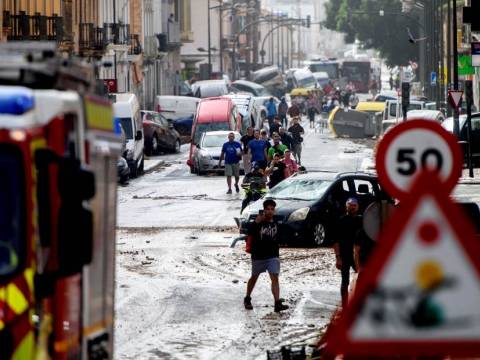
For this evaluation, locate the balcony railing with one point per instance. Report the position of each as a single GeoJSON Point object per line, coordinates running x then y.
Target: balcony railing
{"type": "Point", "coordinates": [35, 27]}
{"type": "Point", "coordinates": [91, 38]}
{"type": "Point", "coordinates": [135, 45]}
{"type": "Point", "coordinates": [118, 34]}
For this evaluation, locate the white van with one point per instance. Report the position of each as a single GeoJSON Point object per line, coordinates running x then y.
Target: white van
{"type": "Point", "coordinates": [393, 108]}
{"type": "Point", "coordinates": [127, 111]}
{"type": "Point", "coordinates": [176, 107]}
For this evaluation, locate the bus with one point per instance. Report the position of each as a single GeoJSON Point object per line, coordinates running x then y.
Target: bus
{"type": "Point", "coordinates": [357, 72]}
{"type": "Point", "coordinates": [331, 67]}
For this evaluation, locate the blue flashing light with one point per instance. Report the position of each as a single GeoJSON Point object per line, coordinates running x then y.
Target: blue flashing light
{"type": "Point", "coordinates": [16, 100]}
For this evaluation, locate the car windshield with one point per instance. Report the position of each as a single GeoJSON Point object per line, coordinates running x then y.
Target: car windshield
{"type": "Point", "coordinates": [127, 127]}
{"type": "Point", "coordinates": [215, 140]}
{"type": "Point", "coordinates": [206, 127]}
{"type": "Point", "coordinates": [307, 82]}
{"type": "Point", "coordinates": [300, 189]}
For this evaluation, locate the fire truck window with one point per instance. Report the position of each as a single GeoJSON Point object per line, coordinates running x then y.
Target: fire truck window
{"type": "Point", "coordinates": [12, 214]}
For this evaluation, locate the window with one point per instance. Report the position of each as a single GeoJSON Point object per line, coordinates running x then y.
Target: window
{"type": "Point", "coordinates": [127, 127]}
{"type": "Point", "coordinates": [12, 210]}
{"type": "Point", "coordinates": [363, 187]}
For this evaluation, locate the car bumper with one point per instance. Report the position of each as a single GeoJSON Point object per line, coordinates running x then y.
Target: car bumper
{"type": "Point", "coordinates": [212, 165]}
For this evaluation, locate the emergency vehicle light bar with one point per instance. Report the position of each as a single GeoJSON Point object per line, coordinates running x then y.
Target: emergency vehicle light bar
{"type": "Point", "coordinates": [15, 100]}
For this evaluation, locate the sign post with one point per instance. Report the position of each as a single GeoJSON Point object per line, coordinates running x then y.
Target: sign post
{"type": "Point", "coordinates": [407, 301]}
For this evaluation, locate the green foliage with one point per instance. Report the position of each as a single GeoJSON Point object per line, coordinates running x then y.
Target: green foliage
{"type": "Point", "coordinates": [361, 20]}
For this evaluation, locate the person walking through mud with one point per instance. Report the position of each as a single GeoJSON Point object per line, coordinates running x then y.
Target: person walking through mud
{"type": "Point", "coordinates": [297, 131]}
{"type": "Point", "coordinates": [232, 152]}
{"type": "Point", "coordinates": [265, 254]}
{"type": "Point", "coordinates": [246, 156]}
{"type": "Point", "coordinates": [346, 231]}
{"type": "Point", "coordinates": [282, 111]}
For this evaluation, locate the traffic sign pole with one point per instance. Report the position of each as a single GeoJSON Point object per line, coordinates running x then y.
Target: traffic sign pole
{"type": "Point", "coordinates": [469, 100]}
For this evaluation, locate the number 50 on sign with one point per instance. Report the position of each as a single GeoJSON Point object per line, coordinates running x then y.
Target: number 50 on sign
{"type": "Point", "coordinates": [414, 146]}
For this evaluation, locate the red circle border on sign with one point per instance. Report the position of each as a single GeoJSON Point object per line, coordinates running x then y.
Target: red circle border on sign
{"type": "Point", "coordinates": [403, 127]}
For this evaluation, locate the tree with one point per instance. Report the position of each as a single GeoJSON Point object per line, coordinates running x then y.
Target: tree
{"type": "Point", "coordinates": [361, 20]}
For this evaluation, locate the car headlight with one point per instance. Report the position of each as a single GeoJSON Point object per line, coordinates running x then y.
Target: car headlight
{"type": "Point", "coordinates": [299, 215]}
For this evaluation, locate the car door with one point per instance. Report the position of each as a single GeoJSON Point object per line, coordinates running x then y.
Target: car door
{"type": "Point", "coordinates": [334, 202]}
{"type": "Point", "coordinates": [475, 137]}
{"type": "Point", "coordinates": [168, 137]}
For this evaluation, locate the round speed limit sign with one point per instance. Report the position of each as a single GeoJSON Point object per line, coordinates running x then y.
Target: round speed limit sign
{"type": "Point", "coordinates": [415, 146]}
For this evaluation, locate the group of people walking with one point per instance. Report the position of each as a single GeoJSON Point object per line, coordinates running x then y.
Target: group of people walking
{"type": "Point", "coordinates": [276, 152]}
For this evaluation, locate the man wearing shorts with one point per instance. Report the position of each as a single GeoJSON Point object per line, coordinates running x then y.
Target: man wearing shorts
{"type": "Point", "coordinates": [265, 254]}
{"type": "Point", "coordinates": [232, 152]}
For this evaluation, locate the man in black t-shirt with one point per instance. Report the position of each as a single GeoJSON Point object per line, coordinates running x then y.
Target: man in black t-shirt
{"type": "Point", "coordinates": [265, 253]}
{"type": "Point", "coordinates": [347, 230]}
{"type": "Point", "coordinates": [277, 171]}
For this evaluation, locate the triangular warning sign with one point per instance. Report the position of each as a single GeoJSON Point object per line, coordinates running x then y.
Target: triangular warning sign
{"type": "Point", "coordinates": [420, 293]}
{"type": "Point", "coordinates": [455, 97]}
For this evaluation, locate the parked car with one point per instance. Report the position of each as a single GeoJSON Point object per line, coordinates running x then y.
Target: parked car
{"type": "Point", "coordinates": [207, 153]}
{"type": "Point", "coordinates": [219, 113]}
{"type": "Point", "coordinates": [250, 87]}
{"type": "Point", "coordinates": [245, 104]}
{"type": "Point", "coordinates": [210, 88]}
{"type": "Point", "coordinates": [127, 110]}
{"type": "Point", "coordinates": [176, 107]}
{"type": "Point", "coordinates": [300, 79]}
{"type": "Point", "coordinates": [309, 205]}
{"type": "Point", "coordinates": [260, 104]}
{"type": "Point", "coordinates": [159, 133]}
{"type": "Point", "coordinates": [184, 128]}
{"type": "Point", "coordinates": [270, 77]}
{"type": "Point", "coordinates": [475, 135]}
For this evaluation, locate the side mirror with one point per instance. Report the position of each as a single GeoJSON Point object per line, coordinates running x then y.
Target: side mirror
{"type": "Point", "coordinates": [138, 136]}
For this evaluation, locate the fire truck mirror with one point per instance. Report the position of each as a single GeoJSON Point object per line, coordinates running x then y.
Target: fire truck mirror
{"type": "Point", "coordinates": [75, 225]}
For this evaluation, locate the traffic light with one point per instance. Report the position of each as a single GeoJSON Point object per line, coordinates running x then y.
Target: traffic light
{"type": "Point", "coordinates": [469, 92]}
{"type": "Point", "coordinates": [405, 94]}
{"type": "Point", "coordinates": [309, 21]}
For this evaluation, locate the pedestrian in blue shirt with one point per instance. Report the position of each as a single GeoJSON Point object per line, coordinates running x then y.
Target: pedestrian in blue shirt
{"type": "Point", "coordinates": [271, 111]}
{"type": "Point", "coordinates": [232, 152]}
{"type": "Point", "coordinates": [258, 150]}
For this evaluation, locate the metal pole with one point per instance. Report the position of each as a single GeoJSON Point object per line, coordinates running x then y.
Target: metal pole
{"type": "Point", "coordinates": [278, 41]}
{"type": "Point", "coordinates": [209, 42]}
{"type": "Point", "coordinates": [220, 12]}
{"type": "Point", "coordinates": [442, 55]}
{"type": "Point", "coordinates": [456, 122]}
{"type": "Point", "coordinates": [283, 49]}
{"type": "Point", "coordinates": [468, 83]}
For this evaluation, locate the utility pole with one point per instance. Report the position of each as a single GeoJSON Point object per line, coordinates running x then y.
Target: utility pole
{"type": "Point", "coordinates": [220, 16]}
{"type": "Point", "coordinates": [299, 15]}
{"type": "Point", "coordinates": [209, 42]}
{"type": "Point", "coordinates": [449, 51]}
{"type": "Point", "coordinates": [456, 116]}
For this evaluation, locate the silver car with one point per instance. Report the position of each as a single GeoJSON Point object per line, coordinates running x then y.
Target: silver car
{"type": "Point", "coordinates": [206, 156]}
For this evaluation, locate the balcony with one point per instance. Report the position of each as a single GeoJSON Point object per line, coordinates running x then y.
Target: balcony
{"type": "Point", "coordinates": [21, 27]}
{"type": "Point", "coordinates": [135, 45]}
{"type": "Point", "coordinates": [91, 38]}
{"type": "Point", "coordinates": [116, 34]}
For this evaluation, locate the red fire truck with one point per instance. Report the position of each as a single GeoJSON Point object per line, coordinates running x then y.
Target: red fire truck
{"type": "Point", "coordinates": [58, 154]}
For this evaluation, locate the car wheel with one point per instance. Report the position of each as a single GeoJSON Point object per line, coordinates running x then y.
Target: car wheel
{"type": "Point", "coordinates": [141, 167]}
{"type": "Point", "coordinates": [199, 172]}
{"type": "Point", "coordinates": [176, 147]}
{"type": "Point", "coordinates": [319, 235]}
{"type": "Point", "coordinates": [134, 170]}
{"type": "Point", "coordinates": [154, 144]}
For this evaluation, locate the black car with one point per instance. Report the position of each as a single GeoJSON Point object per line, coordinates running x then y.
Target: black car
{"type": "Point", "coordinates": [475, 136]}
{"type": "Point", "coordinates": [308, 205]}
